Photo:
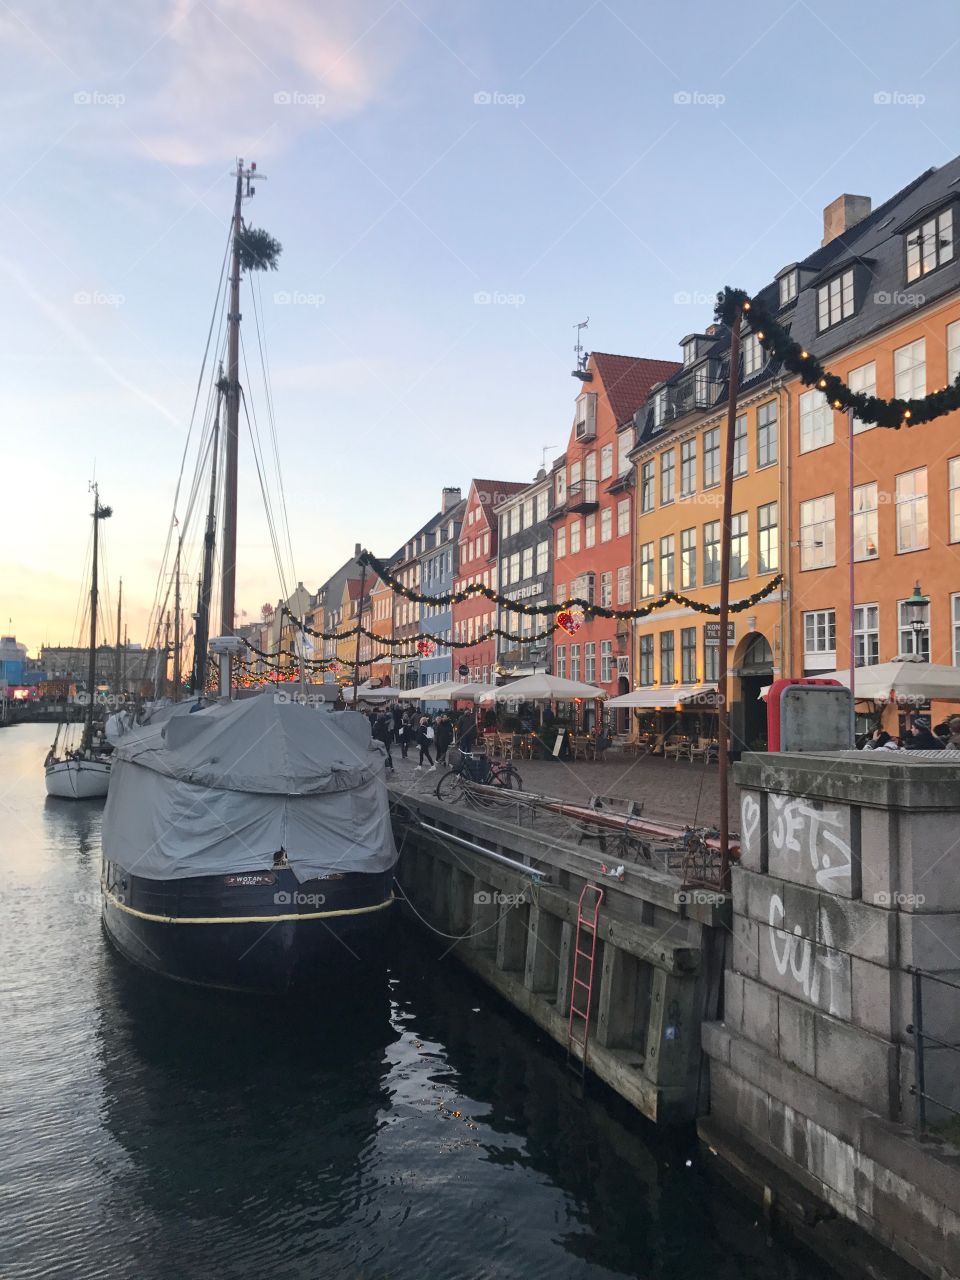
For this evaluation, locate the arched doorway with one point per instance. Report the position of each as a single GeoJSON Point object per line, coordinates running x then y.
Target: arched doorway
{"type": "Point", "coordinates": [753, 670]}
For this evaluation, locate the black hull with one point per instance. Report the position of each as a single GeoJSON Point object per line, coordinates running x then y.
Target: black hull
{"type": "Point", "coordinates": [263, 932]}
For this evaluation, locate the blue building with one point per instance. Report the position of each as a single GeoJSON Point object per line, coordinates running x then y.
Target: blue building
{"type": "Point", "coordinates": [438, 569]}
{"type": "Point", "coordinates": [13, 662]}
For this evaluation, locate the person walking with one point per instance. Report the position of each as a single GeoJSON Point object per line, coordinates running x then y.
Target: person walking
{"type": "Point", "coordinates": [406, 735]}
{"type": "Point", "coordinates": [443, 738]}
{"type": "Point", "coordinates": [467, 731]}
{"type": "Point", "coordinates": [382, 732]}
{"type": "Point", "coordinates": [424, 740]}
{"type": "Point", "coordinates": [397, 714]}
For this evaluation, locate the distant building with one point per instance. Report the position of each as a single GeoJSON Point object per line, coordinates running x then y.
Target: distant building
{"type": "Point", "coordinates": [438, 567]}
{"type": "Point", "coordinates": [526, 576]}
{"type": "Point", "coordinates": [13, 661]}
{"type": "Point", "coordinates": [139, 667]}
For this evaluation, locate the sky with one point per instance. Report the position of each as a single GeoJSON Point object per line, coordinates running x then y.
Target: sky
{"type": "Point", "coordinates": [455, 186]}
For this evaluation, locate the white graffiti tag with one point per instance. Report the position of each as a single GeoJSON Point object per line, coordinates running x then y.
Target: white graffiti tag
{"type": "Point", "coordinates": [800, 829]}
{"type": "Point", "coordinates": [806, 961]}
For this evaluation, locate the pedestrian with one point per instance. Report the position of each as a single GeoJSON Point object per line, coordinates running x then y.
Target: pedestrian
{"type": "Point", "coordinates": [953, 733]}
{"type": "Point", "coordinates": [382, 732]}
{"type": "Point", "coordinates": [444, 738]}
{"type": "Point", "coordinates": [406, 735]}
{"type": "Point", "coordinates": [467, 731]}
{"type": "Point", "coordinates": [425, 737]}
{"type": "Point", "coordinates": [919, 737]}
{"type": "Point", "coordinates": [397, 715]}
{"type": "Point", "coordinates": [880, 740]}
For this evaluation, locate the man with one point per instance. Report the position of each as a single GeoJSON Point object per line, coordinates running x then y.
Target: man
{"type": "Point", "coordinates": [382, 731]}
{"type": "Point", "coordinates": [467, 731]}
{"type": "Point", "coordinates": [920, 738]}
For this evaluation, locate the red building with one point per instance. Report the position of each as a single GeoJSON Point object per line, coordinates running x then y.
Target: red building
{"type": "Point", "coordinates": [593, 518]}
{"type": "Point", "coordinates": [477, 562]}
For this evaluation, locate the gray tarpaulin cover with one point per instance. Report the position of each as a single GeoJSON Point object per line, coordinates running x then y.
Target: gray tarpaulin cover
{"type": "Point", "coordinates": [223, 789]}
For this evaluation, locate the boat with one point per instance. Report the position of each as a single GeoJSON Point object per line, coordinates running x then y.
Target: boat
{"type": "Point", "coordinates": [83, 772]}
{"type": "Point", "coordinates": [246, 839]}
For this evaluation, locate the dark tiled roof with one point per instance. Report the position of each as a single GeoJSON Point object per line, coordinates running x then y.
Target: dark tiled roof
{"type": "Point", "coordinates": [627, 380]}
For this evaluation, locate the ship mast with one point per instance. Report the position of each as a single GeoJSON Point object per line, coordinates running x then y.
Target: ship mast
{"type": "Point", "coordinates": [228, 551]}
{"type": "Point", "coordinates": [202, 617]}
{"type": "Point", "coordinates": [116, 670]}
{"type": "Point", "coordinates": [99, 513]}
{"type": "Point", "coordinates": [177, 628]}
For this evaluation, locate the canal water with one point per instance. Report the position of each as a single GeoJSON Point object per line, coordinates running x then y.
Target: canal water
{"type": "Point", "coordinates": [414, 1129]}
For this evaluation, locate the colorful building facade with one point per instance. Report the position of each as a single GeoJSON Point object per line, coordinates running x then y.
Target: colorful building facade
{"type": "Point", "coordinates": [478, 562]}
{"type": "Point", "coordinates": [525, 573]}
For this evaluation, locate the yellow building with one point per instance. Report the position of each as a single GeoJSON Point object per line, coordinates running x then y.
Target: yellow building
{"type": "Point", "coordinates": [679, 465]}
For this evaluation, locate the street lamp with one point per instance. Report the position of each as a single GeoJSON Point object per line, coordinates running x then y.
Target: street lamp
{"type": "Point", "coordinates": [918, 606]}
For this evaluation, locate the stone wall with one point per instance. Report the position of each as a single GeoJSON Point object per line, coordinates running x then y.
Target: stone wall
{"type": "Point", "coordinates": [849, 874]}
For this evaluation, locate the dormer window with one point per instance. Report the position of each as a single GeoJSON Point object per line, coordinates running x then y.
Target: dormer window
{"type": "Point", "coordinates": [752, 355]}
{"type": "Point", "coordinates": [659, 407]}
{"type": "Point", "coordinates": [689, 352]}
{"type": "Point", "coordinates": [930, 245]}
{"type": "Point", "coordinates": [835, 301]}
{"type": "Point", "coordinates": [788, 286]}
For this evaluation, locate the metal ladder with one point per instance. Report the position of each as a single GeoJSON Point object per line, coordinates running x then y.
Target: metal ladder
{"type": "Point", "coordinates": [588, 912]}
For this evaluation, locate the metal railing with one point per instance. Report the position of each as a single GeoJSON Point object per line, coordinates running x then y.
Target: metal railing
{"type": "Point", "coordinates": [921, 1039]}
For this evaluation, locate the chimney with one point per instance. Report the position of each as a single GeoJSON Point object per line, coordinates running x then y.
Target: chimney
{"type": "Point", "coordinates": [842, 214]}
{"type": "Point", "coordinates": [356, 550]}
{"type": "Point", "coordinates": [449, 499]}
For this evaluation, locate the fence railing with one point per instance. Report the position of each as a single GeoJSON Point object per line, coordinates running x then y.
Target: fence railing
{"type": "Point", "coordinates": [923, 1038]}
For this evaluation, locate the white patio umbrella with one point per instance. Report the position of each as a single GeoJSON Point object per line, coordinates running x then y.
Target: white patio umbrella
{"type": "Point", "coordinates": [903, 679]}
{"type": "Point", "coordinates": [385, 693]}
{"type": "Point", "coordinates": [428, 692]}
{"type": "Point", "coordinates": [472, 691]}
{"type": "Point", "coordinates": [543, 688]}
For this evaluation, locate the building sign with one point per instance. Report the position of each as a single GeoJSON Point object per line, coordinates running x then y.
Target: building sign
{"type": "Point", "coordinates": [524, 593]}
{"type": "Point", "coordinates": [711, 633]}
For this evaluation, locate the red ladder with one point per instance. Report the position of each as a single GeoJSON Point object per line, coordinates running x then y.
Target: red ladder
{"type": "Point", "coordinates": [591, 897]}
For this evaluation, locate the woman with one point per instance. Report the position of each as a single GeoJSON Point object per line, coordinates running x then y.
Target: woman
{"type": "Point", "coordinates": [920, 738]}
{"type": "Point", "coordinates": [880, 740]}
{"type": "Point", "coordinates": [424, 738]}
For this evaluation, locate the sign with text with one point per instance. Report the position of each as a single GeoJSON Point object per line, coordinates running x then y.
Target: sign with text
{"type": "Point", "coordinates": [711, 633]}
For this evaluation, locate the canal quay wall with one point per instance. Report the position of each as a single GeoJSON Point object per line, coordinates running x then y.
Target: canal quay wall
{"type": "Point", "coordinates": [849, 879]}
{"type": "Point", "coordinates": [659, 957]}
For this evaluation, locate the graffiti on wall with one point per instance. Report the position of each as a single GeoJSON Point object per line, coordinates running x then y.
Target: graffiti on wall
{"type": "Point", "coordinates": [818, 971]}
{"type": "Point", "coordinates": [810, 843]}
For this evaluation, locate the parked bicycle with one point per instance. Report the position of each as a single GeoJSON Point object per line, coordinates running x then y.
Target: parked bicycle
{"type": "Point", "coordinates": [476, 766]}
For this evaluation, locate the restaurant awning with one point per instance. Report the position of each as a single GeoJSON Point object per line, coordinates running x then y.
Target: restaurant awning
{"type": "Point", "coordinates": [693, 696]}
{"type": "Point", "coordinates": [544, 688]}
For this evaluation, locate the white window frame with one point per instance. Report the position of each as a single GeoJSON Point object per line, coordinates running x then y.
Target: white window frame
{"type": "Point", "coordinates": [866, 624]}
{"type": "Point", "coordinates": [768, 445]}
{"type": "Point", "coordinates": [648, 570]}
{"type": "Point", "coordinates": [955, 627]}
{"type": "Point", "coordinates": [668, 563]}
{"type": "Point", "coordinates": [688, 559]}
{"type": "Point", "coordinates": [835, 301]}
{"type": "Point", "coordinates": [768, 538]}
{"type": "Point", "coordinates": [818, 516]}
{"type": "Point", "coordinates": [688, 467]}
{"type": "Point", "coordinates": [788, 287]}
{"type": "Point", "coordinates": [623, 584]}
{"type": "Point", "coordinates": [816, 421]}
{"type": "Point", "coordinates": [905, 636]}
{"type": "Point", "coordinates": [817, 625]}
{"type": "Point", "coordinates": [711, 450]}
{"type": "Point", "coordinates": [866, 527]}
{"type": "Point", "coordinates": [930, 244]}
{"type": "Point", "coordinates": [606, 462]}
{"type": "Point", "coordinates": [607, 667]}
{"type": "Point", "coordinates": [668, 470]}
{"type": "Point", "coordinates": [912, 511]}
{"type": "Point", "coordinates": [606, 524]}
{"type": "Point", "coordinates": [543, 557]}
{"type": "Point", "coordinates": [752, 356]}
{"type": "Point", "coordinates": [910, 370]}
{"type": "Point", "coordinates": [740, 440]}
{"type": "Point", "coordinates": [623, 517]}
{"type": "Point", "coordinates": [953, 498]}
{"type": "Point", "coordinates": [606, 589]}
{"type": "Point", "coordinates": [864, 380]}
{"type": "Point", "coordinates": [953, 351]}
{"type": "Point", "coordinates": [648, 485]}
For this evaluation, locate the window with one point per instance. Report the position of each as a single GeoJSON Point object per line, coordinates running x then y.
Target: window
{"type": "Point", "coordinates": [788, 287]}
{"type": "Point", "coordinates": [561, 543]}
{"type": "Point", "coordinates": [647, 586]}
{"type": "Point", "coordinates": [866, 635]}
{"type": "Point", "coordinates": [955, 627]}
{"type": "Point", "coordinates": [659, 407]}
{"type": "Point", "coordinates": [689, 352]}
{"type": "Point", "coordinates": [590, 661]}
{"type": "Point", "coordinates": [953, 480]}
{"type": "Point", "coordinates": [583, 586]}
{"type": "Point", "coordinates": [527, 563]}
{"type": "Point", "coordinates": [865, 522]}
{"type": "Point", "coordinates": [515, 519]}
{"type": "Point", "coordinates": [910, 370]}
{"type": "Point", "coordinates": [688, 467]}
{"type": "Point", "coordinates": [561, 484]}
{"type": "Point", "coordinates": [647, 481]}
{"type": "Point", "coordinates": [515, 567]}
{"type": "Point", "coordinates": [624, 445]}
{"type": "Point", "coordinates": [623, 518]}
{"type": "Point", "coordinates": [667, 461]}
{"type": "Point", "coordinates": [688, 558]}
{"type": "Point", "coordinates": [767, 434]}
{"type": "Point", "coordinates": [543, 502]}
{"type": "Point", "coordinates": [740, 446]}
{"type": "Point", "coordinates": [816, 421]}
{"type": "Point", "coordinates": [606, 590]}
{"type": "Point", "coordinates": [820, 631]}
{"type": "Point", "coordinates": [575, 537]}
{"type": "Point", "coordinates": [911, 499]}
{"type": "Point", "coordinates": [574, 662]}
{"type": "Point", "coordinates": [606, 524]}
{"type": "Point", "coordinates": [562, 661]}
{"type": "Point", "coordinates": [486, 543]}
{"type": "Point", "coordinates": [930, 245]}
{"type": "Point", "coordinates": [911, 641]}
{"type": "Point", "coordinates": [606, 661]}
{"type": "Point", "coordinates": [623, 584]}
{"type": "Point", "coordinates": [543, 557]}
{"type": "Point", "coordinates": [590, 467]}
{"type": "Point", "coordinates": [575, 472]}
{"type": "Point", "coordinates": [667, 668]}
{"type": "Point", "coordinates": [711, 553]}
{"type": "Point", "coordinates": [711, 457]}
{"type": "Point", "coordinates": [711, 662]}
{"type": "Point", "coordinates": [768, 539]}
{"type": "Point", "coordinates": [835, 301]}
{"type": "Point", "coordinates": [590, 531]}
{"type": "Point", "coordinates": [739, 546]}
{"type": "Point", "coordinates": [953, 351]}
{"type": "Point", "coordinates": [817, 533]}
{"type": "Point", "coordinates": [646, 660]}
{"type": "Point", "coordinates": [560, 593]}
{"type": "Point", "coordinates": [606, 462]}
{"type": "Point", "coordinates": [752, 355]}
{"type": "Point", "coordinates": [863, 380]}
{"type": "Point", "coordinates": [688, 655]}
{"type": "Point", "coordinates": [668, 563]}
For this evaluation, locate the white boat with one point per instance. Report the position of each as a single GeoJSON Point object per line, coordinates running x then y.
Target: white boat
{"type": "Point", "coordinates": [83, 777]}
{"type": "Point", "coordinates": [83, 773]}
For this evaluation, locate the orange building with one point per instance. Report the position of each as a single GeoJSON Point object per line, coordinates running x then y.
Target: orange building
{"type": "Point", "coordinates": [378, 619]}
{"type": "Point", "coordinates": [477, 560]}
{"type": "Point", "coordinates": [879, 305]}
{"type": "Point", "coordinates": [592, 515]}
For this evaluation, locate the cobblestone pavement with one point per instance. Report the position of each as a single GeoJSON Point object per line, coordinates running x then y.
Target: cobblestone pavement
{"type": "Point", "coordinates": [674, 791]}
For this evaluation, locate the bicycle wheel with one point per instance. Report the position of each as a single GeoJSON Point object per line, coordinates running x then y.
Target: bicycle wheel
{"type": "Point", "coordinates": [450, 786]}
{"type": "Point", "coordinates": [505, 775]}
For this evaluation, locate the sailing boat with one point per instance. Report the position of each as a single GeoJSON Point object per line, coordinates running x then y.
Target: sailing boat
{"type": "Point", "coordinates": [247, 842]}
{"type": "Point", "coordinates": [83, 773]}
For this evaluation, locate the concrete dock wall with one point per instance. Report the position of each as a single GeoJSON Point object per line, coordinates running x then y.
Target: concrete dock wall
{"type": "Point", "coordinates": [849, 875]}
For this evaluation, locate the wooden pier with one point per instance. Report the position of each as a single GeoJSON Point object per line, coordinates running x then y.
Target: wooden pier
{"type": "Point", "coordinates": [501, 877]}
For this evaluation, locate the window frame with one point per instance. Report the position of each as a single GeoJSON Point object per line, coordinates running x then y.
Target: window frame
{"type": "Point", "coordinates": [845, 281]}
{"type": "Point", "coordinates": [917, 229]}
{"type": "Point", "coordinates": [912, 500]}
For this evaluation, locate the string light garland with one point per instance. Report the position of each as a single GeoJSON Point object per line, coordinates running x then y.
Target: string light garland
{"type": "Point", "coordinates": [430, 637]}
{"type": "Point", "coordinates": [571, 620]}
{"type": "Point", "coordinates": [775, 338]}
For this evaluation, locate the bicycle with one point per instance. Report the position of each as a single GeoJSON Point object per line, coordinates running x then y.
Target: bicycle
{"type": "Point", "coordinates": [476, 766]}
